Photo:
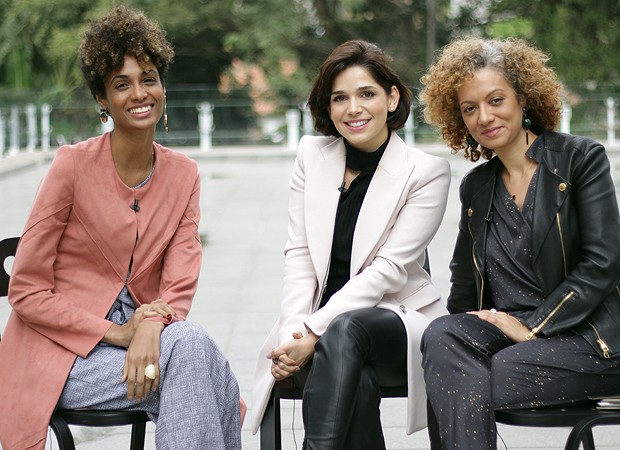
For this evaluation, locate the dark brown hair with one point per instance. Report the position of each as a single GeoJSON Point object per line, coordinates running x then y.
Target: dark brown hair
{"type": "Point", "coordinates": [122, 32]}
{"type": "Point", "coordinates": [371, 58]}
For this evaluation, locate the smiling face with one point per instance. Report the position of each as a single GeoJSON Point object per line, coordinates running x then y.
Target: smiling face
{"type": "Point", "coordinates": [491, 111]}
{"type": "Point", "coordinates": [134, 96]}
{"type": "Point", "coordinates": [359, 106]}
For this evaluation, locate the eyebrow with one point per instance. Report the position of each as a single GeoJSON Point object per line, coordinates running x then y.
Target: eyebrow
{"type": "Point", "coordinates": [123, 76]}
{"type": "Point", "coordinates": [490, 94]}
{"type": "Point", "coordinates": [361, 88]}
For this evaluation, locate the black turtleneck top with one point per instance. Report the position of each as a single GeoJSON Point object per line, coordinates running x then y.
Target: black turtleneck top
{"type": "Point", "coordinates": [348, 210]}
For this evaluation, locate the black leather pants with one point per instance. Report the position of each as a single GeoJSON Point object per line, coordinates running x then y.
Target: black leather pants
{"type": "Point", "coordinates": [360, 351]}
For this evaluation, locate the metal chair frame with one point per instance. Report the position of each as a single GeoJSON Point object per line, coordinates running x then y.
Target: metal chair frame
{"type": "Point", "coordinates": [62, 418]}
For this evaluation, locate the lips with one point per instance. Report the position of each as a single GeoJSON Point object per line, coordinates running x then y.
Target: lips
{"type": "Point", "coordinates": [492, 132]}
{"type": "Point", "coordinates": [357, 123]}
{"type": "Point", "coordinates": [141, 109]}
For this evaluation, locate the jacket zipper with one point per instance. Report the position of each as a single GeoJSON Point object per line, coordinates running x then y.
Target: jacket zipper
{"type": "Point", "coordinates": [536, 329]}
{"type": "Point", "coordinates": [599, 340]}
{"type": "Point", "coordinates": [473, 256]}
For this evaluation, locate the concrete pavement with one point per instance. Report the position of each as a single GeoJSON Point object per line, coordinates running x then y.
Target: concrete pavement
{"type": "Point", "coordinates": [244, 202]}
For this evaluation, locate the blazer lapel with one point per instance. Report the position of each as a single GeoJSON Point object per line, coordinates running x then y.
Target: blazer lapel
{"type": "Point", "coordinates": [382, 199]}
{"type": "Point", "coordinates": [321, 203]}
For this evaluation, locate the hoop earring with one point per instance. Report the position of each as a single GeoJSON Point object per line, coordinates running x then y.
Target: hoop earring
{"type": "Point", "coordinates": [104, 115]}
{"type": "Point", "coordinates": [165, 114]}
{"type": "Point", "coordinates": [527, 124]}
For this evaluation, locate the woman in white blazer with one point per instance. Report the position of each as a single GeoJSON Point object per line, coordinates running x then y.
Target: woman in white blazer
{"type": "Point", "coordinates": [356, 299]}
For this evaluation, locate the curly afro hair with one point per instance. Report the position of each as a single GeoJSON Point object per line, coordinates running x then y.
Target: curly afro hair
{"type": "Point", "coordinates": [524, 67]}
{"type": "Point", "coordinates": [122, 32]}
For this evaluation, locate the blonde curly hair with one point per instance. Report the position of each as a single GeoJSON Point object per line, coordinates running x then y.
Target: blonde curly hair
{"type": "Point", "coordinates": [523, 66]}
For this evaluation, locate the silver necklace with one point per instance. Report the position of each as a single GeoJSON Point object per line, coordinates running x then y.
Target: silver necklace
{"type": "Point", "coordinates": [148, 177]}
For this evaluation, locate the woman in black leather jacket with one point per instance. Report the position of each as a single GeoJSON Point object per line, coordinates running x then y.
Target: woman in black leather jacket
{"type": "Point", "coordinates": [534, 301]}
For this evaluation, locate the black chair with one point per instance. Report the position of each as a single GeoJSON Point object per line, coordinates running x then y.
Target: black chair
{"type": "Point", "coordinates": [580, 418]}
{"type": "Point", "coordinates": [62, 418]}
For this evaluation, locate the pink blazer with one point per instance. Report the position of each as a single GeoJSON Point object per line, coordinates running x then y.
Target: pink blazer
{"type": "Point", "coordinates": [72, 262]}
{"type": "Point", "coordinates": [401, 213]}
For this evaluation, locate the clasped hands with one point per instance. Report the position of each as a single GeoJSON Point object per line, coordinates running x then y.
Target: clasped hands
{"type": "Point", "coordinates": [291, 356]}
{"type": "Point", "coordinates": [509, 325]}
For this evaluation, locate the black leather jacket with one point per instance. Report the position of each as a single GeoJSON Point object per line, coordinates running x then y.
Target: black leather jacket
{"type": "Point", "coordinates": [576, 243]}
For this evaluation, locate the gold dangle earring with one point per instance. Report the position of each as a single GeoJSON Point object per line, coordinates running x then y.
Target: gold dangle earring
{"type": "Point", "coordinates": [165, 114]}
{"type": "Point", "coordinates": [104, 115]}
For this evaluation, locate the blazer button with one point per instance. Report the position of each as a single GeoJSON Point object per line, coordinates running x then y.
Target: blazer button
{"type": "Point", "coordinates": [562, 187]}
{"type": "Point", "coordinates": [403, 309]}
{"type": "Point", "coordinates": [470, 212]}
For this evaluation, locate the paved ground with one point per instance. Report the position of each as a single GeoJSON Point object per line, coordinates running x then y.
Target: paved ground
{"type": "Point", "coordinates": [244, 200]}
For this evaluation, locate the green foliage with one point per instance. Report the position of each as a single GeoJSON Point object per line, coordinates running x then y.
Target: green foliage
{"type": "Point", "coordinates": [270, 50]}
{"type": "Point", "coordinates": [580, 35]}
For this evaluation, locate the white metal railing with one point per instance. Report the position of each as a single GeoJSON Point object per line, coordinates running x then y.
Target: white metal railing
{"type": "Point", "coordinates": [24, 129]}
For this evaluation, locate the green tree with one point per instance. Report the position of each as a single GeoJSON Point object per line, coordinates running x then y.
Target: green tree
{"type": "Point", "coordinates": [270, 31]}
{"type": "Point", "coordinates": [580, 35]}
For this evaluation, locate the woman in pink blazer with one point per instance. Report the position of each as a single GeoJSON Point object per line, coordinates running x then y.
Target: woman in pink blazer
{"type": "Point", "coordinates": [356, 299]}
{"type": "Point", "coordinates": [107, 267]}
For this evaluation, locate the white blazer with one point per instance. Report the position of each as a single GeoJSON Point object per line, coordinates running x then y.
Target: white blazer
{"type": "Point", "coordinates": [402, 210]}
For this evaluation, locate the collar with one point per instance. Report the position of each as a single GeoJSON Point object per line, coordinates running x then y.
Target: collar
{"type": "Point", "coordinates": [359, 160]}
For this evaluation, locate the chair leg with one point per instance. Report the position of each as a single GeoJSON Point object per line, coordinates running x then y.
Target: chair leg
{"type": "Point", "coordinates": [588, 440]}
{"type": "Point", "coordinates": [63, 433]}
{"type": "Point", "coordinates": [580, 435]}
{"type": "Point", "coordinates": [270, 434]}
{"type": "Point", "coordinates": [138, 432]}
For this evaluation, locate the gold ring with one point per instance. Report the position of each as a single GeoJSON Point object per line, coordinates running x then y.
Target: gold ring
{"type": "Point", "coordinates": [149, 372]}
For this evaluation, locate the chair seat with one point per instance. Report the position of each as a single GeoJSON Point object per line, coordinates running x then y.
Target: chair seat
{"type": "Point", "coordinates": [580, 418]}
{"type": "Point", "coordinates": [550, 417]}
{"type": "Point", "coordinates": [62, 418]}
{"type": "Point", "coordinates": [287, 390]}
{"type": "Point", "coordinates": [100, 418]}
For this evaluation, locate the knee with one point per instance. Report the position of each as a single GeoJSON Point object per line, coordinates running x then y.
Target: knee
{"type": "Point", "coordinates": [506, 385]}
{"type": "Point", "coordinates": [437, 334]}
{"type": "Point", "coordinates": [343, 329]}
{"type": "Point", "coordinates": [191, 336]}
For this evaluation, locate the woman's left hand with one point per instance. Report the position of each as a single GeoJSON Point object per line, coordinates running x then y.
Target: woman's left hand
{"type": "Point", "coordinates": [509, 325]}
{"type": "Point", "coordinates": [142, 352]}
{"type": "Point", "coordinates": [291, 356]}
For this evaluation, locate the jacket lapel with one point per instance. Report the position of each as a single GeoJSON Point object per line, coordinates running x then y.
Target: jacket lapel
{"type": "Point", "coordinates": [551, 193]}
{"type": "Point", "coordinates": [321, 203]}
{"type": "Point", "coordinates": [382, 199]}
{"type": "Point", "coordinates": [479, 213]}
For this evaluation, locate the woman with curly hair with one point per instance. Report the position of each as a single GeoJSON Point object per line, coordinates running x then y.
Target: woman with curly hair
{"type": "Point", "coordinates": [534, 300]}
{"type": "Point", "coordinates": [108, 265]}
